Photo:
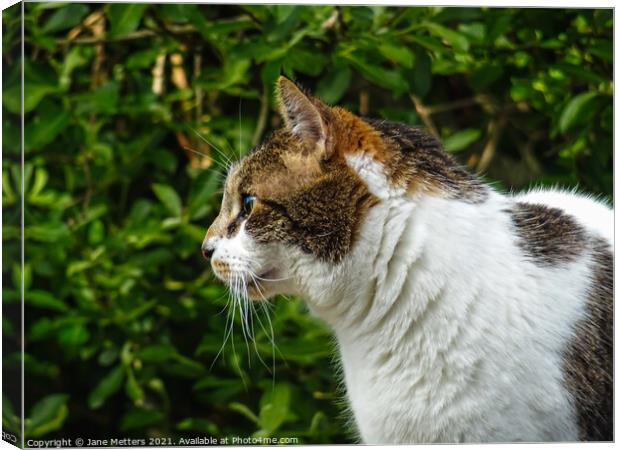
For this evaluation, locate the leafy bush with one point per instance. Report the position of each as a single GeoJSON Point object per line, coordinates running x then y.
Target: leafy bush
{"type": "Point", "coordinates": [130, 112]}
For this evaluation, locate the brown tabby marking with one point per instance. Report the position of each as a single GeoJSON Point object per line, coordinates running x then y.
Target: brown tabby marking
{"type": "Point", "coordinates": [419, 162]}
{"type": "Point", "coordinates": [547, 235]}
{"type": "Point", "coordinates": [589, 361]}
{"type": "Point", "coordinates": [550, 237]}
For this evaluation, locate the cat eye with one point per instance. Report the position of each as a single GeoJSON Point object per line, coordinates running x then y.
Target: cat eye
{"type": "Point", "coordinates": [247, 204]}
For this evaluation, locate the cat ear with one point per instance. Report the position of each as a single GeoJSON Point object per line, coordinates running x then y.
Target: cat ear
{"type": "Point", "coordinates": [301, 115]}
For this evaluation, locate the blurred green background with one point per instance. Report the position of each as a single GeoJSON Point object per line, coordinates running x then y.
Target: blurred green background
{"type": "Point", "coordinates": [123, 318]}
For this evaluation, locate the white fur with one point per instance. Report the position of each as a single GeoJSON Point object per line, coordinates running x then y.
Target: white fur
{"type": "Point", "coordinates": [372, 174]}
{"type": "Point", "coordinates": [446, 332]}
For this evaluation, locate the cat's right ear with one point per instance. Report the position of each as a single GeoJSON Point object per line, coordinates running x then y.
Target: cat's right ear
{"type": "Point", "coordinates": [302, 117]}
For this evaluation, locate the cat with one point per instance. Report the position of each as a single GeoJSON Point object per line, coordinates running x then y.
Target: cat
{"type": "Point", "coordinates": [461, 314]}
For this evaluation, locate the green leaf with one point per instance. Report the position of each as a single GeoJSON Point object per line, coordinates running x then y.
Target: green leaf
{"type": "Point", "coordinates": [108, 385]}
{"type": "Point", "coordinates": [47, 415]}
{"type": "Point", "coordinates": [108, 356]}
{"type": "Point", "coordinates": [45, 300]}
{"type": "Point", "coordinates": [10, 421]}
{"type": "Point", "coordinates": [388, 79]}
{"type": "Point", "coordinates": [40, 180]}
{"type": "Point", "coordinates": [499, 26]}
{"type": "Point", "coordinates": [274, 407]}
{"type": "Point", "coordinates": [334, 84]}
{"type": "Point", "coordinates": [582, 73]}
{"type": "Point", "coordinates": [197, 424]}
{"type": "Point", "coordinates": [140, 418]}
{"type": "Point", "coordinates": [125, 17]}
{"type": "Point", "coordinates": [397, 53]}
{"type": "Point", "coordinates": [27, 276]}
{"type": "Point", "coordinates": [319, 423]}
{"type": "Point", "coordinates": [41, 329]}
{"type": "Point", "coordinates": [143, 58]}
{"type": "Point", "coordinates": [475, 31]}
{"type": "Point", "coordinates": [133, 389]}
{"type": "Point", "coordinates": [461, 140]}
{"type": "Point", "coordinates": [604, 50]}
{"type": "Point", "coordinates": [39, 81]}
{"type": "Point", "coordinates": [203, 190]}
{"type": "Point", "coordinates": [73, 335]}
{"type": "Point", "coordinates": [306, 61]}
{"type": "Point", "coordinates": [168, 196]}
{"type": "Point", "coordinates": [156, 353]}
{"type": "Point", "coordinates": [244, 411]}
{"type": "Point", "coordinates": [45, 127]}
{"type": "Point", "coordinates": [104, 99]}
{"type": "Point", "coordinates": [429, 43]}
{"type": "Point", "coordinates": [457, 40]}
{"type": "Point", "coordinates": [34, 367]}
{"type": "Point", "coordinates": [77, 57]}
{"type": "Point", "coordinates": [485, 75]}
{"type": "Point", "coordinates": [521, 90]}
{"type": "Point", "coordinates": [304, 351]}
{"type": "Point", "coordinates": [184, 367]}
{"type": "Point", "coordinates": [66, 17]}
{"type": "Point", "coordinates": [50, 232]}
{"type": "Point", "coordinates": [576, 110]}
{"type": "Point", "coordinates": [96, 232]}
{"type": "Point", "coordinates": [211, 31]}
{"type": "Point", "coordinates": [234, 71]}
{"type": "Point", "coordinates": [270, 72]}
{"type": "Point", "coordinates": [420, 77]}
{"type": "Point", "coordinates": [174, 12]}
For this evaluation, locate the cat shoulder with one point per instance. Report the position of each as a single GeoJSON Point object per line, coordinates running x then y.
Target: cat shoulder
{"type": "Point", "coordinates": [591, 212]}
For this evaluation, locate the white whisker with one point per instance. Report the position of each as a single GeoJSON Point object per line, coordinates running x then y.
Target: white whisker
{"type": "Point", "coordinates": [227, 332]}
{"type": "Point", "coordinates": [228, 160]}
{"type": "Point", "coordinates": [271, 336]}
{"type": "Point", "coordinates": [271, 279]}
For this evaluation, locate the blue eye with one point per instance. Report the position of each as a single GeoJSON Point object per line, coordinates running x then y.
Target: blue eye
{"type": "Point", "coordinates": [247, 204]}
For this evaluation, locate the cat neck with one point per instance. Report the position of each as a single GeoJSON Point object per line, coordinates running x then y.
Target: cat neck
{"type": "Point", "coordinates": [408, 251]}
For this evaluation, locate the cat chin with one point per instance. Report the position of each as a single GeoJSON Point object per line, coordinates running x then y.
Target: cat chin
{"type": "Point", "coordinates": [262, 288]}
{"type": "Point", "coordinates": [258, 294]}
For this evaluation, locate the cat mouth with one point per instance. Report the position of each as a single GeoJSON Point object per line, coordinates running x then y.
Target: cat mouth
{"type": "Point", "coordinates": [268, 275]}
{"type": "Point", "coordinates": [255, 286]}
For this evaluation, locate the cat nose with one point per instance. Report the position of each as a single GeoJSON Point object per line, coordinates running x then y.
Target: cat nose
{"type": "Point", "coordinates": [207, 250]}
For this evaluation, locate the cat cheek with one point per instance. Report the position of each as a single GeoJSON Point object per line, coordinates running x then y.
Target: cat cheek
{"type": "Point", "coordinates": [265, 228]}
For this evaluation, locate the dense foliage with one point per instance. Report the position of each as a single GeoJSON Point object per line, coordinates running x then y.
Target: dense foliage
{"type": "Point", "coordinates": [125, 105]}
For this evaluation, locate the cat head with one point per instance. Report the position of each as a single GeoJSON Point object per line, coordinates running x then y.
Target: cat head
{"type": "Point", "coordinates": [294, 194]}
{"type": "Point", "coordinates": [302, 196]}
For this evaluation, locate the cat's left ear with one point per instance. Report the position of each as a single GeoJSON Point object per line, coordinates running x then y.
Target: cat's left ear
{"type": "Point", "coordinates": [302, 117]}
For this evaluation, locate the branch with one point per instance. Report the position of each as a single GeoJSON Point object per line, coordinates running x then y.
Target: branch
{"type": "Point", "coordinates": [425, 114]}
{"type": "Point", "coordinates": [527, 152]}
{"type": "Point", "coordinates": [458, 104]}
{"type": "Point", "coordinates": [495, 130]}
{"type": "Point", "coordinates": [158, 74]}
{"type": "Point", "coordinates": [198, 92]}
{"type": "Point", "coordinates": [142, 34]}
